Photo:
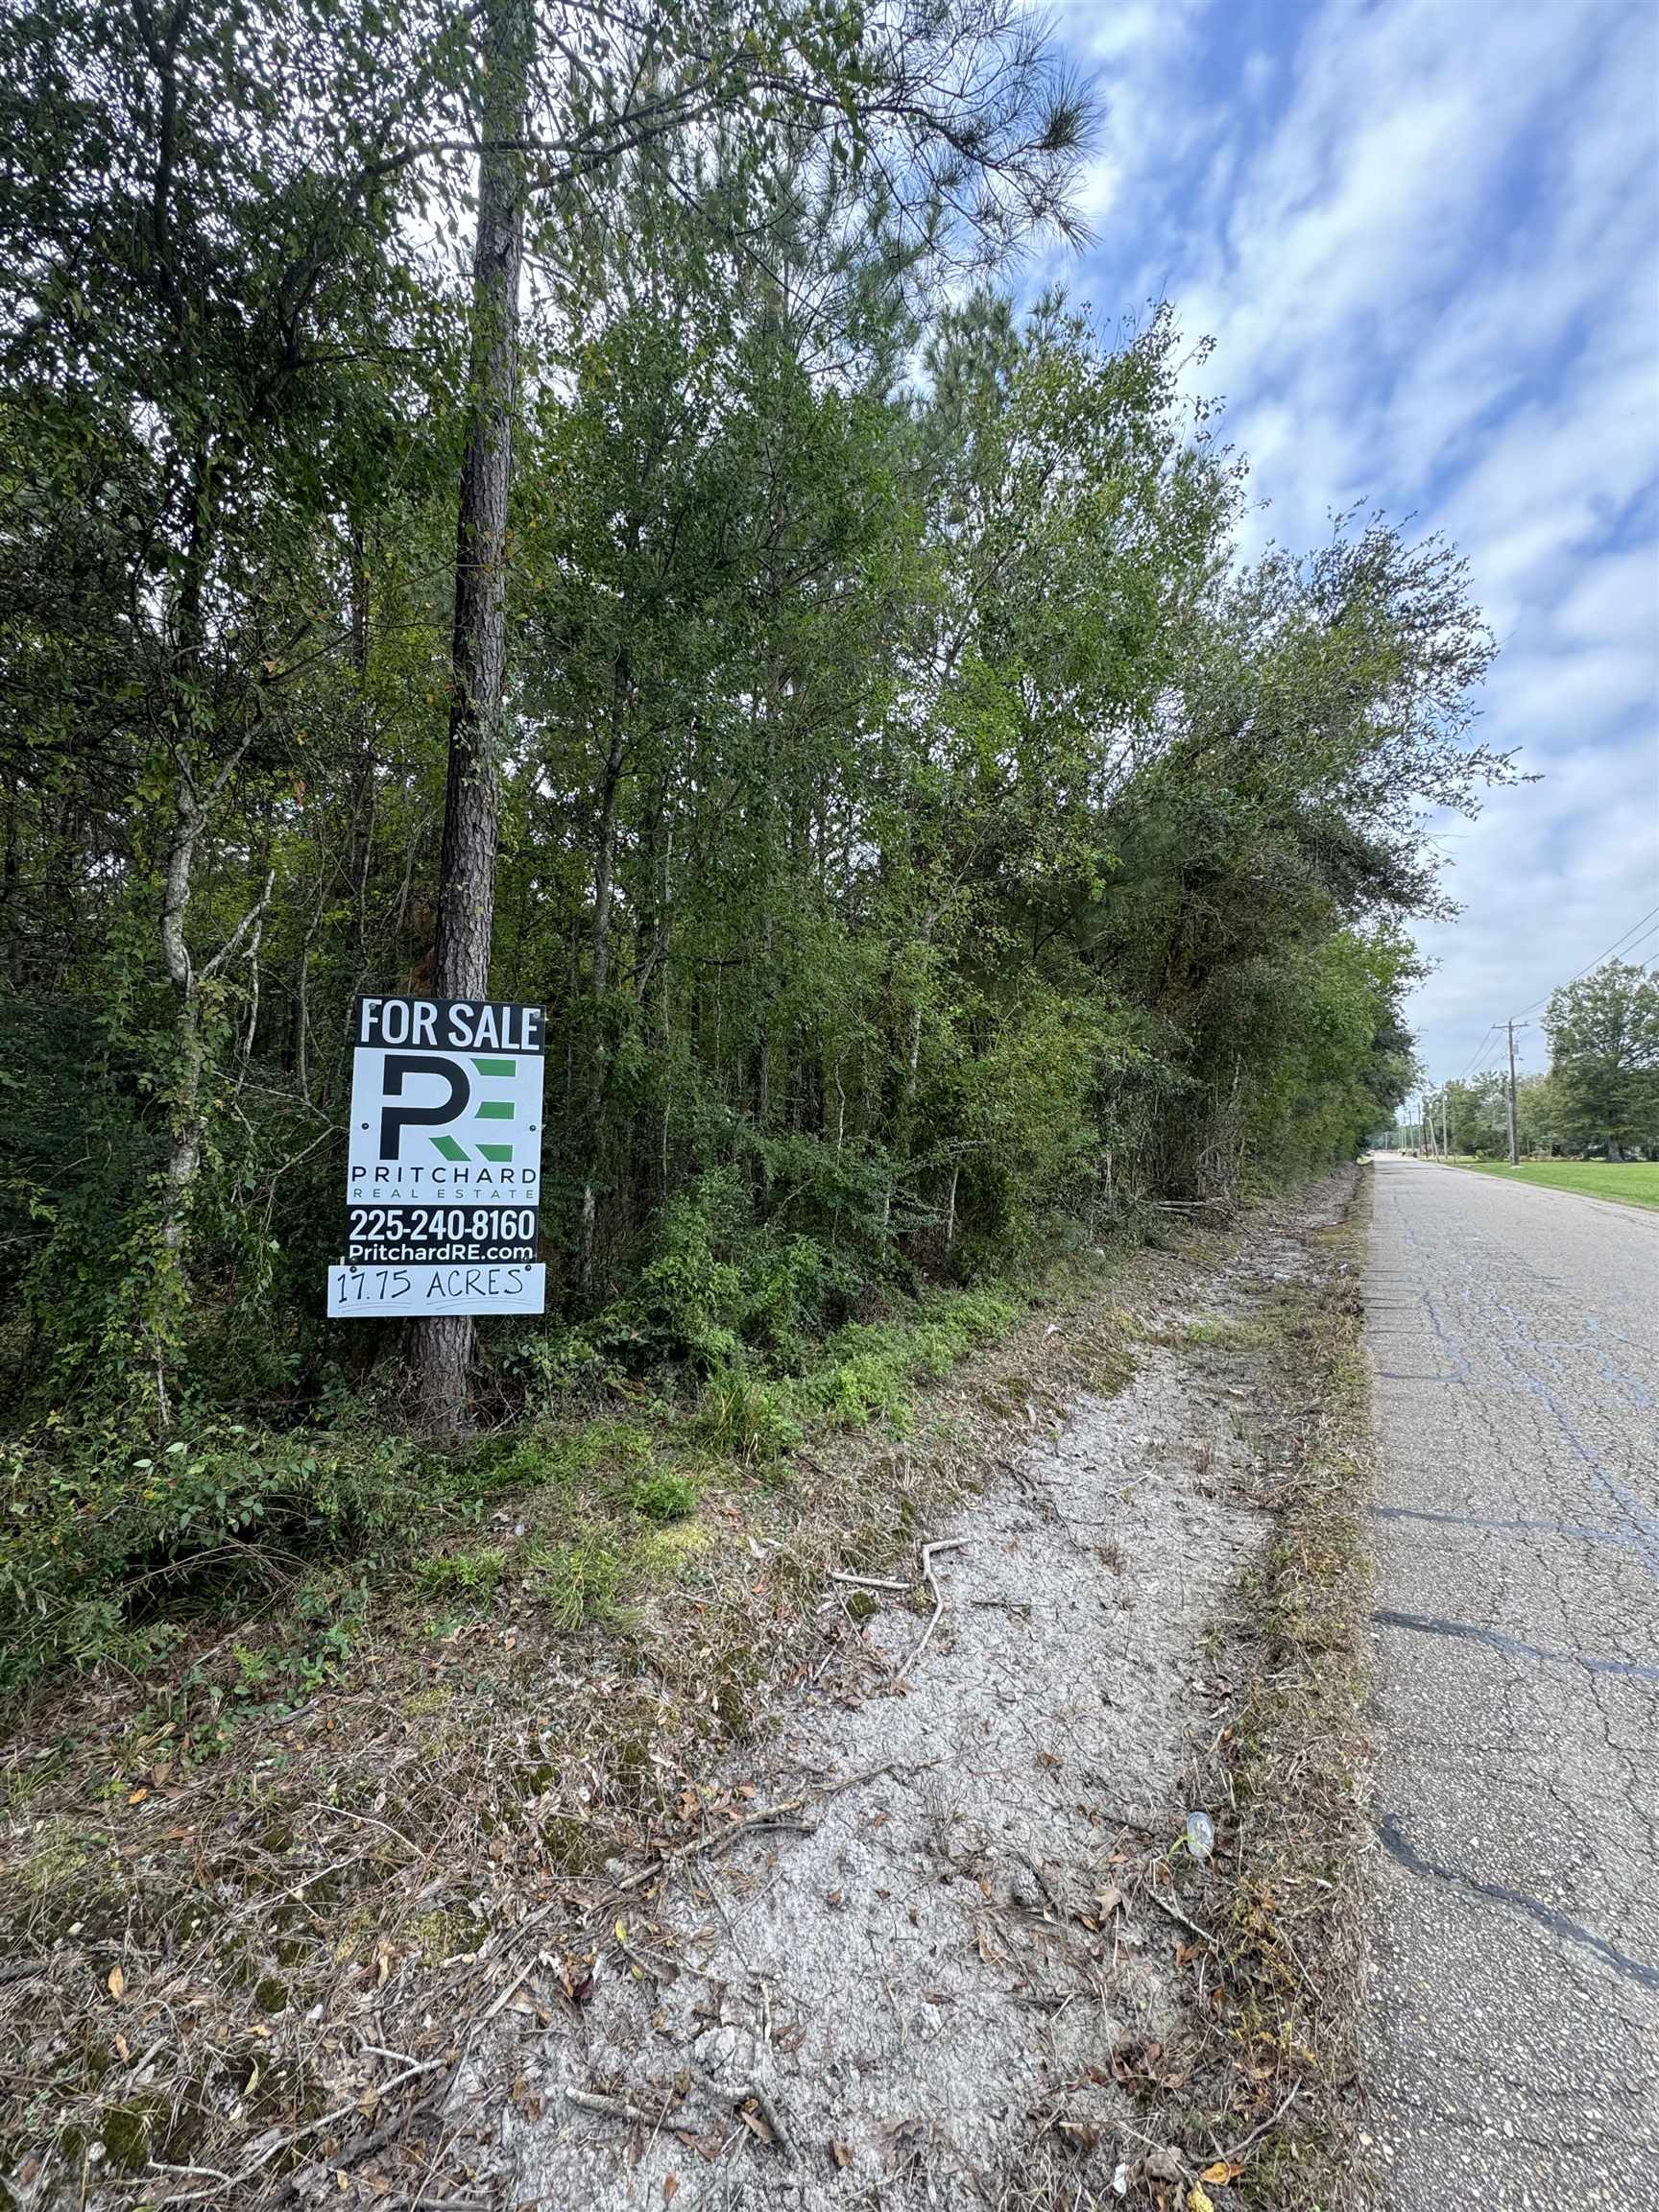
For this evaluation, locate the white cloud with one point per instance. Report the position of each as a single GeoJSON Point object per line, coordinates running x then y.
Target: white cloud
{"type": "Point", "coordinates": [1425, 237]}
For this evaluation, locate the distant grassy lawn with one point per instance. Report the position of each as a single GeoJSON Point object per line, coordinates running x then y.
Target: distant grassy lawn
{"type": "Point", "coordinates": [1632, 1183]}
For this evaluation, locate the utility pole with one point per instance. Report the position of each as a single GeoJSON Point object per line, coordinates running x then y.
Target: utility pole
{"type": "Point", "coordinates": [1514, 1155]}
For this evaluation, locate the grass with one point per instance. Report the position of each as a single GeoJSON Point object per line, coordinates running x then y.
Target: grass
{"type": "Point", "coordinates": [1626, 1181]}
{"type": "Point", "coordinates": [1288, 1779]}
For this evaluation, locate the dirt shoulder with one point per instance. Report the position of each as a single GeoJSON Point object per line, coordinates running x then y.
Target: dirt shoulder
{"type": "Point", "coordinates": [785, 1887]}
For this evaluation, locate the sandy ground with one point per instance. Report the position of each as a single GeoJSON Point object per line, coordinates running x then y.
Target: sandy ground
{"type": "Point", "coordinates": [905, 1983]}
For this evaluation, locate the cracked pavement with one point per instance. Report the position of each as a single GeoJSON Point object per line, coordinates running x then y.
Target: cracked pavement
{"type": "Point", "coordinates": [1513, 2032]}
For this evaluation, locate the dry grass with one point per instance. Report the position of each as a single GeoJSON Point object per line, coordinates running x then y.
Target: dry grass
{"type": "Point", "coordinates": [239, 1959]}
{"type": "Point", "coordinates": [1278, 1985]}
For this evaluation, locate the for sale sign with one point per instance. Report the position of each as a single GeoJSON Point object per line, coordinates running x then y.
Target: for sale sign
{"type": "Point", "coordinates": [444, 1167]}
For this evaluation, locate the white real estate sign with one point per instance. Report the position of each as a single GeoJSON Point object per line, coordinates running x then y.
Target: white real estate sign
{"type": "Point", "coordinates": [444, 1165]}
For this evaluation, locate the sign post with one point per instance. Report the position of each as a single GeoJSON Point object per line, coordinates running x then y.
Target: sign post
{"type": "Point", "coordinates": [444, 1167]}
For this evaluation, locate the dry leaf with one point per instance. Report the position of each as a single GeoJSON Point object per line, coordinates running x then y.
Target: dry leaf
{"type": "Point", "coordinates": [1198, 2201]}
{"type": "Point", "coordinates": [842, 2156]}
{"type": "Point", "coordinates": [1223, 2170]}
{"type": "Point", "coordinates": [670, 2187]}
{"type": "Point", "coordinates": [121, 2051]}
{"type": "Point", "coordinates": [117, 1983]}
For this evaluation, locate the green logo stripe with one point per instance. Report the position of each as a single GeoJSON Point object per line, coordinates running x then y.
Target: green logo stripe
{"type": "Point", "coordinates": [449, 1149]}
{"type": "Point", "coordinates": [495, 1110]}
{"type": "Point", "coordinates": [495, 1066]}
{"type": "Point", "coordinates": [495, 1151]}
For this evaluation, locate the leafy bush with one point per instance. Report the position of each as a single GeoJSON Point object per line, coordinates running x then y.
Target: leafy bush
{"type": "Point", "coordinates": [92, 1528]}
{"type": "Point", "coordinates": [688, 1300]}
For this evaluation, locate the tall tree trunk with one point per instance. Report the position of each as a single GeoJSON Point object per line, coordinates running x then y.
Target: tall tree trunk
{"type": "Point", "coordinates": [441, 1350]}
{"type": "Point", "coordinates": [604, 883]}
{"type": "Point", "coordinates": [184, 1156]}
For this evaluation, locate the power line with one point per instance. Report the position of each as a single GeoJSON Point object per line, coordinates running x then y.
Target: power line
{"type": "Point", "coordinates": [1490, 1057]}
{"type": "Point", "coordinates": [1493, 1041]}
{"type": "Point", "coordinates": [1615, 947]}
{"type": "Point", "coordinates": [1482, 1047]}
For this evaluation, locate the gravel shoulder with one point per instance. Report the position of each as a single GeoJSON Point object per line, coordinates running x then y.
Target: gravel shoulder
{"type": "Point", "coordinates": [944, 1964]}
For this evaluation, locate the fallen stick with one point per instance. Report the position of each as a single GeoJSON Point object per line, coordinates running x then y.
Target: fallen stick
{"type": "Point", "coordinates": [1181, 1920]}
{"type": "Point", "coordinates": [869, 1581]}
{"type": "Point", "coordinates": [611, 2108]}
{"type": "Point", "coordinates": [738, 2094]}
{"type": "Point", "coordinates": [1235, 2155]}
{"type": "Point", "coordinates": [769, 2113]}
{"type": "Point", "coordinates": [775, 1815]}
{"type": "Point", "coordinates": [941, 1544]}
{"type": "Point", "coordinates": [509, 1993]}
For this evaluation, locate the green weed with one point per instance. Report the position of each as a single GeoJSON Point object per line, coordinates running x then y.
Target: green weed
{"type": "Point", "coordinates": [745, 1420]}
{"type": "Point", "coordinates": [573, 1582]}
{"type": "Point", "coordinates": [462, 1574]}
{"type": "Point", "coordinates": [665, 1497]}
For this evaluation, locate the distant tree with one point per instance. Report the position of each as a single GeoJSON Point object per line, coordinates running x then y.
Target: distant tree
{"type": "Point", "coordinates": [1603, 1037]}
{"type": "Point", "coordinates": [1477, 1117]}
{"type": "Point", "coordinates": [1537, 1116]}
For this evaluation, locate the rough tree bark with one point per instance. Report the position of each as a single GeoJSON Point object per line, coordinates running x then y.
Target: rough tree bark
{"type": "Point", "coordinates": [441, 1350]}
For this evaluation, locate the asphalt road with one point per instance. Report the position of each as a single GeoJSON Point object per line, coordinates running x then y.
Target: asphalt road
{"type": "Point", "coordinates": [1514, 2022]}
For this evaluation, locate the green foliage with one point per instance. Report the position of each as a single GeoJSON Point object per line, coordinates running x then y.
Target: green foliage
{"type": "Point", "coordinates": [1603, 1035]}
{"type": "Point", "coordinates": [93, 1527]}
{"type": "Point", "coordinates": [927, 832]}
{"type": "Point", "coordinates": [574, 1582]}
{"type": "Point", "coordinates": [465, 1574]}
{"type": "Point", "coordinates": [689, 1296]}
{"type": "Point", "coordinates": [665, 1497]}
{"type": "Point", "coordinates": [870, 1369]}
{"type": "Point", "coordinates": [744, 1419]}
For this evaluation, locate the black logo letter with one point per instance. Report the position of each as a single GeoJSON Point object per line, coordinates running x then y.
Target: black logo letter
{"type": "Point", "coordinates": [395, 1119]}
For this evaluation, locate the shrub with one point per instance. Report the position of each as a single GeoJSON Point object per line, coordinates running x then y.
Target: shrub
{"type": "Point", "coordinates": [93, 1527]}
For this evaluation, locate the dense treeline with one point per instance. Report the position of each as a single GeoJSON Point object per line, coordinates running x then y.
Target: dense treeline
{"type": "Point", "coordinates": [918, 820]}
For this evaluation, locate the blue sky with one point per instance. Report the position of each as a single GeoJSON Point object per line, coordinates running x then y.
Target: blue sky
{"type": "Point", "coordinates": [1424, 235]}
